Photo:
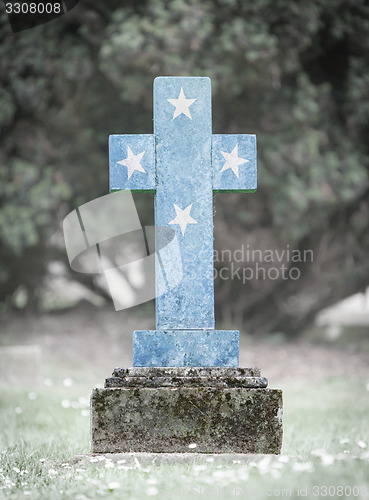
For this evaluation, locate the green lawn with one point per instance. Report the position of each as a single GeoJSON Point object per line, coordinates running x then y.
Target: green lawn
{"type": "Point", "coordinates": [325, 425]}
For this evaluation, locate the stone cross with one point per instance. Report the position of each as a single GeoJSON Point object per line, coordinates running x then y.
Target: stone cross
{"type": "Point", "coordinates": [183, 164]}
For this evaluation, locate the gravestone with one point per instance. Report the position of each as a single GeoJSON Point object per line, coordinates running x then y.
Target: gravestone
{"type": "Point", "coordinates": [185, 386]}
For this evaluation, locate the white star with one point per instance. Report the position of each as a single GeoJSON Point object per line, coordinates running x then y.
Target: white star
{"type": "Point", "coordinates": [233, 161]}
{"type": "Point", "coordinates": [183, 217]}
{"type": "Point", "coordinates": [182, 105]}
{"type": "Point", "coordinates": [132, 162]}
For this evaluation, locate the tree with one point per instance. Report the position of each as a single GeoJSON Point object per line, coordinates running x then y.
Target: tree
{"type": "Point", "coordinates": [297, 75]}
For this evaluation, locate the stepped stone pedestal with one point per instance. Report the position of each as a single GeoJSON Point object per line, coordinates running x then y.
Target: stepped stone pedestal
{"type": "Point", "coordinates": [220, 409]}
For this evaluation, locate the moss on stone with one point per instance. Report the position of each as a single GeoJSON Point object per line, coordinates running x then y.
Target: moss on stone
{"type": "Point", "coordinates": [218, 420]}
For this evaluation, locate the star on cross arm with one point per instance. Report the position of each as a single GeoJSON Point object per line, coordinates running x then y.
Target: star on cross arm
{"type": "Point", "coordinates": [183, 217]}
{"type": "Point", "coordinates": [132, 162]}
{"type": "Point", "coordinates": [233, 161]}
{"type": "Point", "coordinates": [182, 105]}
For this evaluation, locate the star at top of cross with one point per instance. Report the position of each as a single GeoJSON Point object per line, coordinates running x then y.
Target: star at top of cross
{"type": "Point", "coordinates": [233, 161]}
{"type": "Point", "coordinates": [132, 162]}
{"type": "Point", "coordinates": [182, 105]}
{"type": "Point", "coordinates": [183, 217]}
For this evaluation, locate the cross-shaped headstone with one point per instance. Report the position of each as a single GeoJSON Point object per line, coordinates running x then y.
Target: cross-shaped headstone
{"type": "Point", "coordinates": [183, 164]}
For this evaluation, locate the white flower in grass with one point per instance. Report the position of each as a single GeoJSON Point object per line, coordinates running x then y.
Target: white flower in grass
{"type": "Point", "coordinates": [26, 492]}
{"type": "Point", "coordinates": [114, 485]}
{"type": "Point", "coordinates": [344, 440]}
{"type": "Point", "coordinates": [94, 459]}
{"type": "Point", "coordinates": [152, 480]}
{"type": "Point", "coordinates": [192, 446]}
{"type": "Point", "coordinates": [152, 491]}
{"type": "Point", "coordinates": [85, 413]}
{"type": "Point", "coordinates": [15, 469]}
{"type": "Point", "coordinates": [18, 410]}
{"type": "Point", "coordinates": [42, 460]}
{"type": "Point", "coordinates": [67, 382]}
{"type": "Point", "coordinates": [122, 461]}
{"type": "Point", "coordinates": [218, 473]}
{"type": "Point", "coordinates": [65, 403]}
{"type": "Point", "coordinates": [32, 396]}
{"type": "Point", "coordinates": [109, 465]}
{"type": "Point", "coordinates": [361, 444]}
{"type": "Point", "coordinates": [210, 459]}
{"type": "Point", "coordinates": [264, 464]}
{"type": "Point", "coordinates": [327, 460]}
{"type": "Point", "coordinates": [52, 472]}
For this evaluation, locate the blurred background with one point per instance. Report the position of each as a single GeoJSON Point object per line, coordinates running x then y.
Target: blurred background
{"type": "Point", "coordinates": [294, 73]}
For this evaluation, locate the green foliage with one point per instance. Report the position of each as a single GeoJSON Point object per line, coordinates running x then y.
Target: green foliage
{"type": "Point", "coordinates": [294, 73]}
{"type": "Point", "coordinates": [267, 68]}
{"type": "Point", "coordinates": [38, 194]}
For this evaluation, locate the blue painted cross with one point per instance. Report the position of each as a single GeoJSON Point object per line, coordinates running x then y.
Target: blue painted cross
{"type": "Point", "coordinates": [183, 164]}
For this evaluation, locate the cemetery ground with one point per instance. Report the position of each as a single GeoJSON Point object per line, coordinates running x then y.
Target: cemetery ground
{"type": "Point", "coordinates": [43, 426]}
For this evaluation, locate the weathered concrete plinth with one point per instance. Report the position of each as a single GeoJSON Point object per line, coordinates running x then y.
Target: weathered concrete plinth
{"type": "Point", "coordinates": [164, 410]}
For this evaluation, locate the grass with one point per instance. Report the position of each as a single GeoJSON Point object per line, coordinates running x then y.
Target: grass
{"type": "Point", "coordinates": [324, 454]}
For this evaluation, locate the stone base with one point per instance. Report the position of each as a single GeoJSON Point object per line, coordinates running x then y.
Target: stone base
{"type": "Point", "coordinates": [186, 348]}
{"type": "Point", "coordinates": [163, 410]}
